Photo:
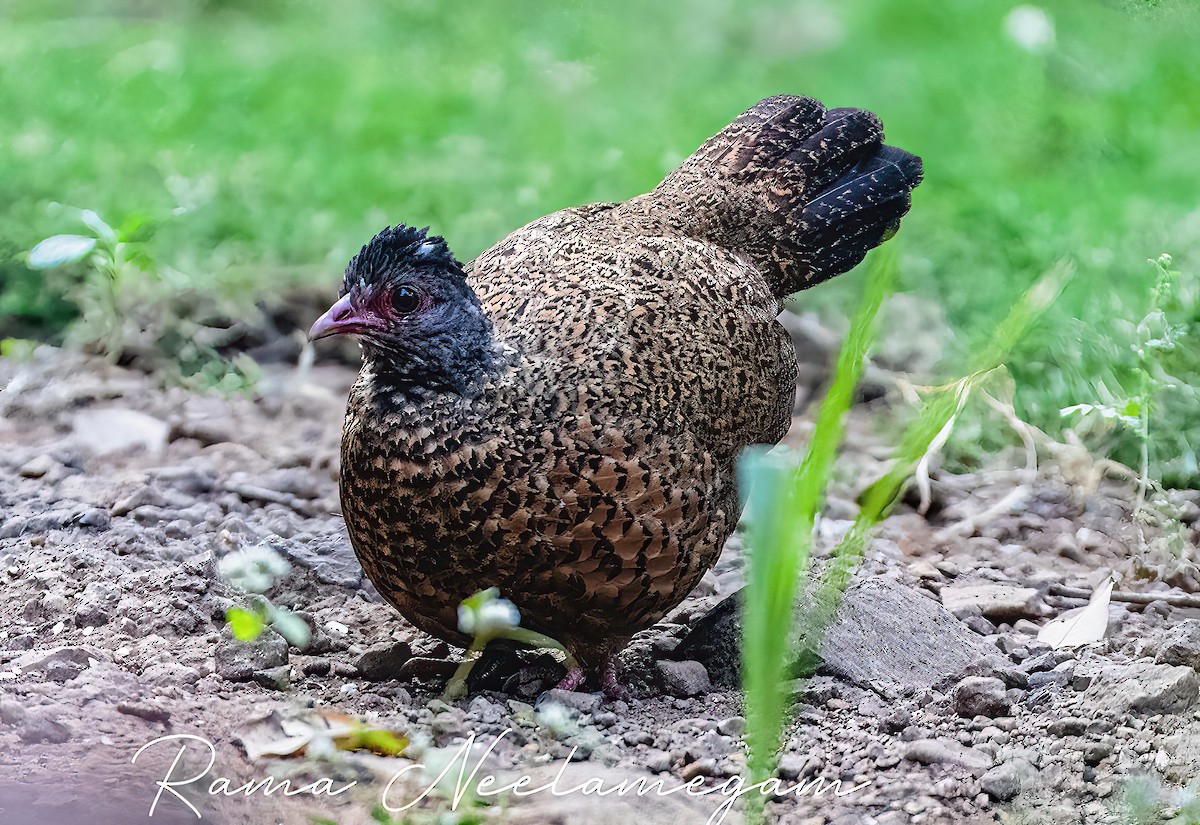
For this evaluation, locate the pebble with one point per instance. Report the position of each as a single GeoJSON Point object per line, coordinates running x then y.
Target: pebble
{"type": "Point", "coordinates": [38, 729]}
{"type": "Point", "coordinates": [1002, 782]}
{"type": "Point", "coordinates": [686, 678]}
{"type": "Point", "coordinates": [37, 467]}
{"type": "Point", "coordinates": [994, 601]}
{"type": "Point", "coordinates": [947, 751]}
{"type": "Point", "coordinates": [383, 661]}
{"type": "Point", "coordinates": [12, 713]}
{"type": "Point", "coordinates": [638, 737]}
{"type": "Point", "coordinates": [701, 767]}
{"type": "Point", "coordinates": [733, 726]}
{"type": "Point", "coordinates": [1148, 688]}
{"type": "Point", "coordinates": [980, 696]}
{"type": "Point", "coordinates": [275, 678]}
{"type": "Point", "coordinates": [1068, 726]}
{"type": "Point", "coordinates": [582, 702]}
{"type": "Point", "coordinates": [238, 661]}
{"type": "Point", "coordinates": [1181, 645]}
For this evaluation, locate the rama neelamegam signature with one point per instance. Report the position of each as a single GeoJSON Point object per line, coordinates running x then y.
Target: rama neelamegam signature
{"type": "Point", "coordinates": [471, 783]}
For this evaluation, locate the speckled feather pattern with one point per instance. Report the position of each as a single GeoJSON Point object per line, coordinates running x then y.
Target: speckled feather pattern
{"type": "Point", "coordinates": [589, 471]}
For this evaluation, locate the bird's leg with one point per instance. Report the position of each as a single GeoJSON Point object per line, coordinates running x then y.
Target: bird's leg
{"type": "Point", "coordinates": [612, 687]}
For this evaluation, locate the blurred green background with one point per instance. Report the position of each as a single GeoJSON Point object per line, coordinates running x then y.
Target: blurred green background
{"type": "Point", "coordinates": [273, 138]}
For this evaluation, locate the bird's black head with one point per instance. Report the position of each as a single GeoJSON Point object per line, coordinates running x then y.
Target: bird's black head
{"type": "Point", "coordinates": [407, 299]}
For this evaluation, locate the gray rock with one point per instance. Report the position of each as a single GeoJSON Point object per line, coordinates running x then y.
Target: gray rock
{"type": "Point", "coordinates": [1002, 782]}
{"type": "Point", "coordinates": [947, 752]}
{"type": "Point", "coordinates": [381, 662]}
{"type": "Point", "coordinates": [239, 661]}
{"type": "Point", "coordinates": [275, 678]}
{"type": "Point", "coordinates": [993, 601]}
{"type": "Point", "coordinates": [981, 696]}
{"type": "Point", "coordinates": [1068, 726]}
{"type": "Point", "coordinates": [330, 558]}
{"type": "Point", "coordinates": [686, 678]}
{"type": "Point", "coordinates": [1096, 752]}
{"type": "Point", "coordinates": [38, 729]}
{"type": "Point", "coordinates": [1149, 688]}
{"type": "Point", "coordinates": [38, 467]}
{"type": "Point", "coordinates": [74, 658]}
{"type": "Point", "coordinates": [107, 430]}
{"type": "Point", "coordinates": [582, 702]}
{"type": "Point", "coordinates": [733, 726]}
{"type": "Point", "coordinates": [890, 634]}
{"type": "Point", "coordinates": [1181, 645]}
{"type": "Point", "coordinates": [12, 713]}
{"type": "Point", "coordinates": [424, 668]}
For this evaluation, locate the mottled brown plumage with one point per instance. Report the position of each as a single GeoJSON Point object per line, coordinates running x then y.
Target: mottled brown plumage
{"type": "Point", "coordinates": [563, 422]}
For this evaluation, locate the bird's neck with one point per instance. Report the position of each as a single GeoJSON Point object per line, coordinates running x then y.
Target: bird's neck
{"type": "Point", "coordinates": [411, 391]}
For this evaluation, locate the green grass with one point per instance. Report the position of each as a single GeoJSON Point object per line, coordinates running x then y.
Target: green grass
{"type": "Point", "coordinates": [783, 502]}
{"type": "Point", "coordinates": [294, 129]}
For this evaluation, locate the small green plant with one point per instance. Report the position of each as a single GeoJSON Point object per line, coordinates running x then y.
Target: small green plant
{"type": "Point", "coordinates": [128, 310]}
{"type": "Point", "coordinates": [112, 258]}
{"type": "Point", "coordinates": [1162, 380]}
{"type": "Point", "coordinates": [17, 349]}
{"type": "Point", "coordinates": [485, 616]}
{"type": "Point", "coordinates": [253, 571]}
{"type": "Point", "coordinates": [783, 503]}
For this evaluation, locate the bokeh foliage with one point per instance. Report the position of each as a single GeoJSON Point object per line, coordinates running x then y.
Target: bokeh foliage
{"type": "Point", "coordinates": [289, 131]}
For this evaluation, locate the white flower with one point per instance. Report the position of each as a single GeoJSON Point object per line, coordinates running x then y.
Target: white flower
{"type": "Point", "coordinates": [253, 569]}
{"type": "Point", "coordinates": [486, 615]}
{"type": "Point", "coordinates": [1030, 28]}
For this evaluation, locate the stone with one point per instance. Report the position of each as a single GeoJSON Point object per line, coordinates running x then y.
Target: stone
{"type": "Point", "coordinates": [61, 661]}
{"type": "Point", "coordinates": [239, 661]}
{"type": "Point", "coordinates": [947, 752]}
{"type": "Point", "coordinates": [37, 467]}
{"type": "Point", "coordinates": [1068, 726]}
{"type": "Point", "coordinates": [890, 634]}
{"type": "Point", "coordinates": [1002, 782]}
{"type": "Point", "coordinates": [993, 601]}
{"type": "Point", "coordinates": [734, 726]}
{"type": "Point", "coordinates": [275, 678]}
{"type": "Point", "coordinates": [108, 430]}
{"type": "Point", "coordinates": [381, 662]}
{"type": "Point", "coordinates": [582, 702]}
{"type": "Point", "coordinates": [687, 678]}
{"type": "Point", "coordinates": [12, 713]}
{"type": "Point", "coordinates": [981, 696]}
{"type": "Point", "coordinates": [423, 668]}
{"type": "Point", "coordinates": [1149, 688]}
{"type": "Point", "coordinates": [1181, 645]}
{"type": "Point", "coordinates": [38, 729]}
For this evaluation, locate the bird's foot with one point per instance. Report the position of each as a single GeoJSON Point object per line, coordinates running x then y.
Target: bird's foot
{"type": "Point", "coordinates": [574, 678]}
{"type": "Point", "coordinates": [612, 686]}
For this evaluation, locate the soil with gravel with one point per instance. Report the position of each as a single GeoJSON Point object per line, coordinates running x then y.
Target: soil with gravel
{"type": "Point", "coordinates": [934, 701]}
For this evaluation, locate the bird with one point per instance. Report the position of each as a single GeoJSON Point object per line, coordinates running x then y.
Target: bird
{"type": "Point", "coordinates": [561, 418]}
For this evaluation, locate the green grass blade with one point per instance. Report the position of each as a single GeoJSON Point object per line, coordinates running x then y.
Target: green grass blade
{"type": "Point", "coordinates": [783, 503]}
{"type": "Point", "coordinates": [937, 414]}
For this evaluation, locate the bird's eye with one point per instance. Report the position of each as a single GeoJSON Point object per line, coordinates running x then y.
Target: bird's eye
{"type": "Point", "coordinates": [405, 300]}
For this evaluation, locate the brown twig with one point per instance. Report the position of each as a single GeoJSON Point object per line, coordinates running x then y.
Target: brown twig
{"type": "Point", "coordinates": [1173, 599]}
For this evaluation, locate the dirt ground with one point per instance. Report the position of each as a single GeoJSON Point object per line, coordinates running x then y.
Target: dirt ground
{"type": "Point", "coordinates": [935, 703]}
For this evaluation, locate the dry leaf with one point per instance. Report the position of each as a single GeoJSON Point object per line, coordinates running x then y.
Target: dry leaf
{"type": "Point", "coordinates": [1081, 625]}
{"type": "Point", "coordinates": [314, 734]}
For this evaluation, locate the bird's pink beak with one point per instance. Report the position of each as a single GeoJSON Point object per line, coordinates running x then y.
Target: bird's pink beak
{"type": "Point", "coordinates": [339, 319]}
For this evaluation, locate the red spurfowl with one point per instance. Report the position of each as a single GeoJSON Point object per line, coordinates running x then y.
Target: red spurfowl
{"type": "Point", "coordinates": [561, 417]}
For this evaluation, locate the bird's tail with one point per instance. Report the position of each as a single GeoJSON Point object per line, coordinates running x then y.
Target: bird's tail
{"type": "Point", "coordinates": [806, 192]}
